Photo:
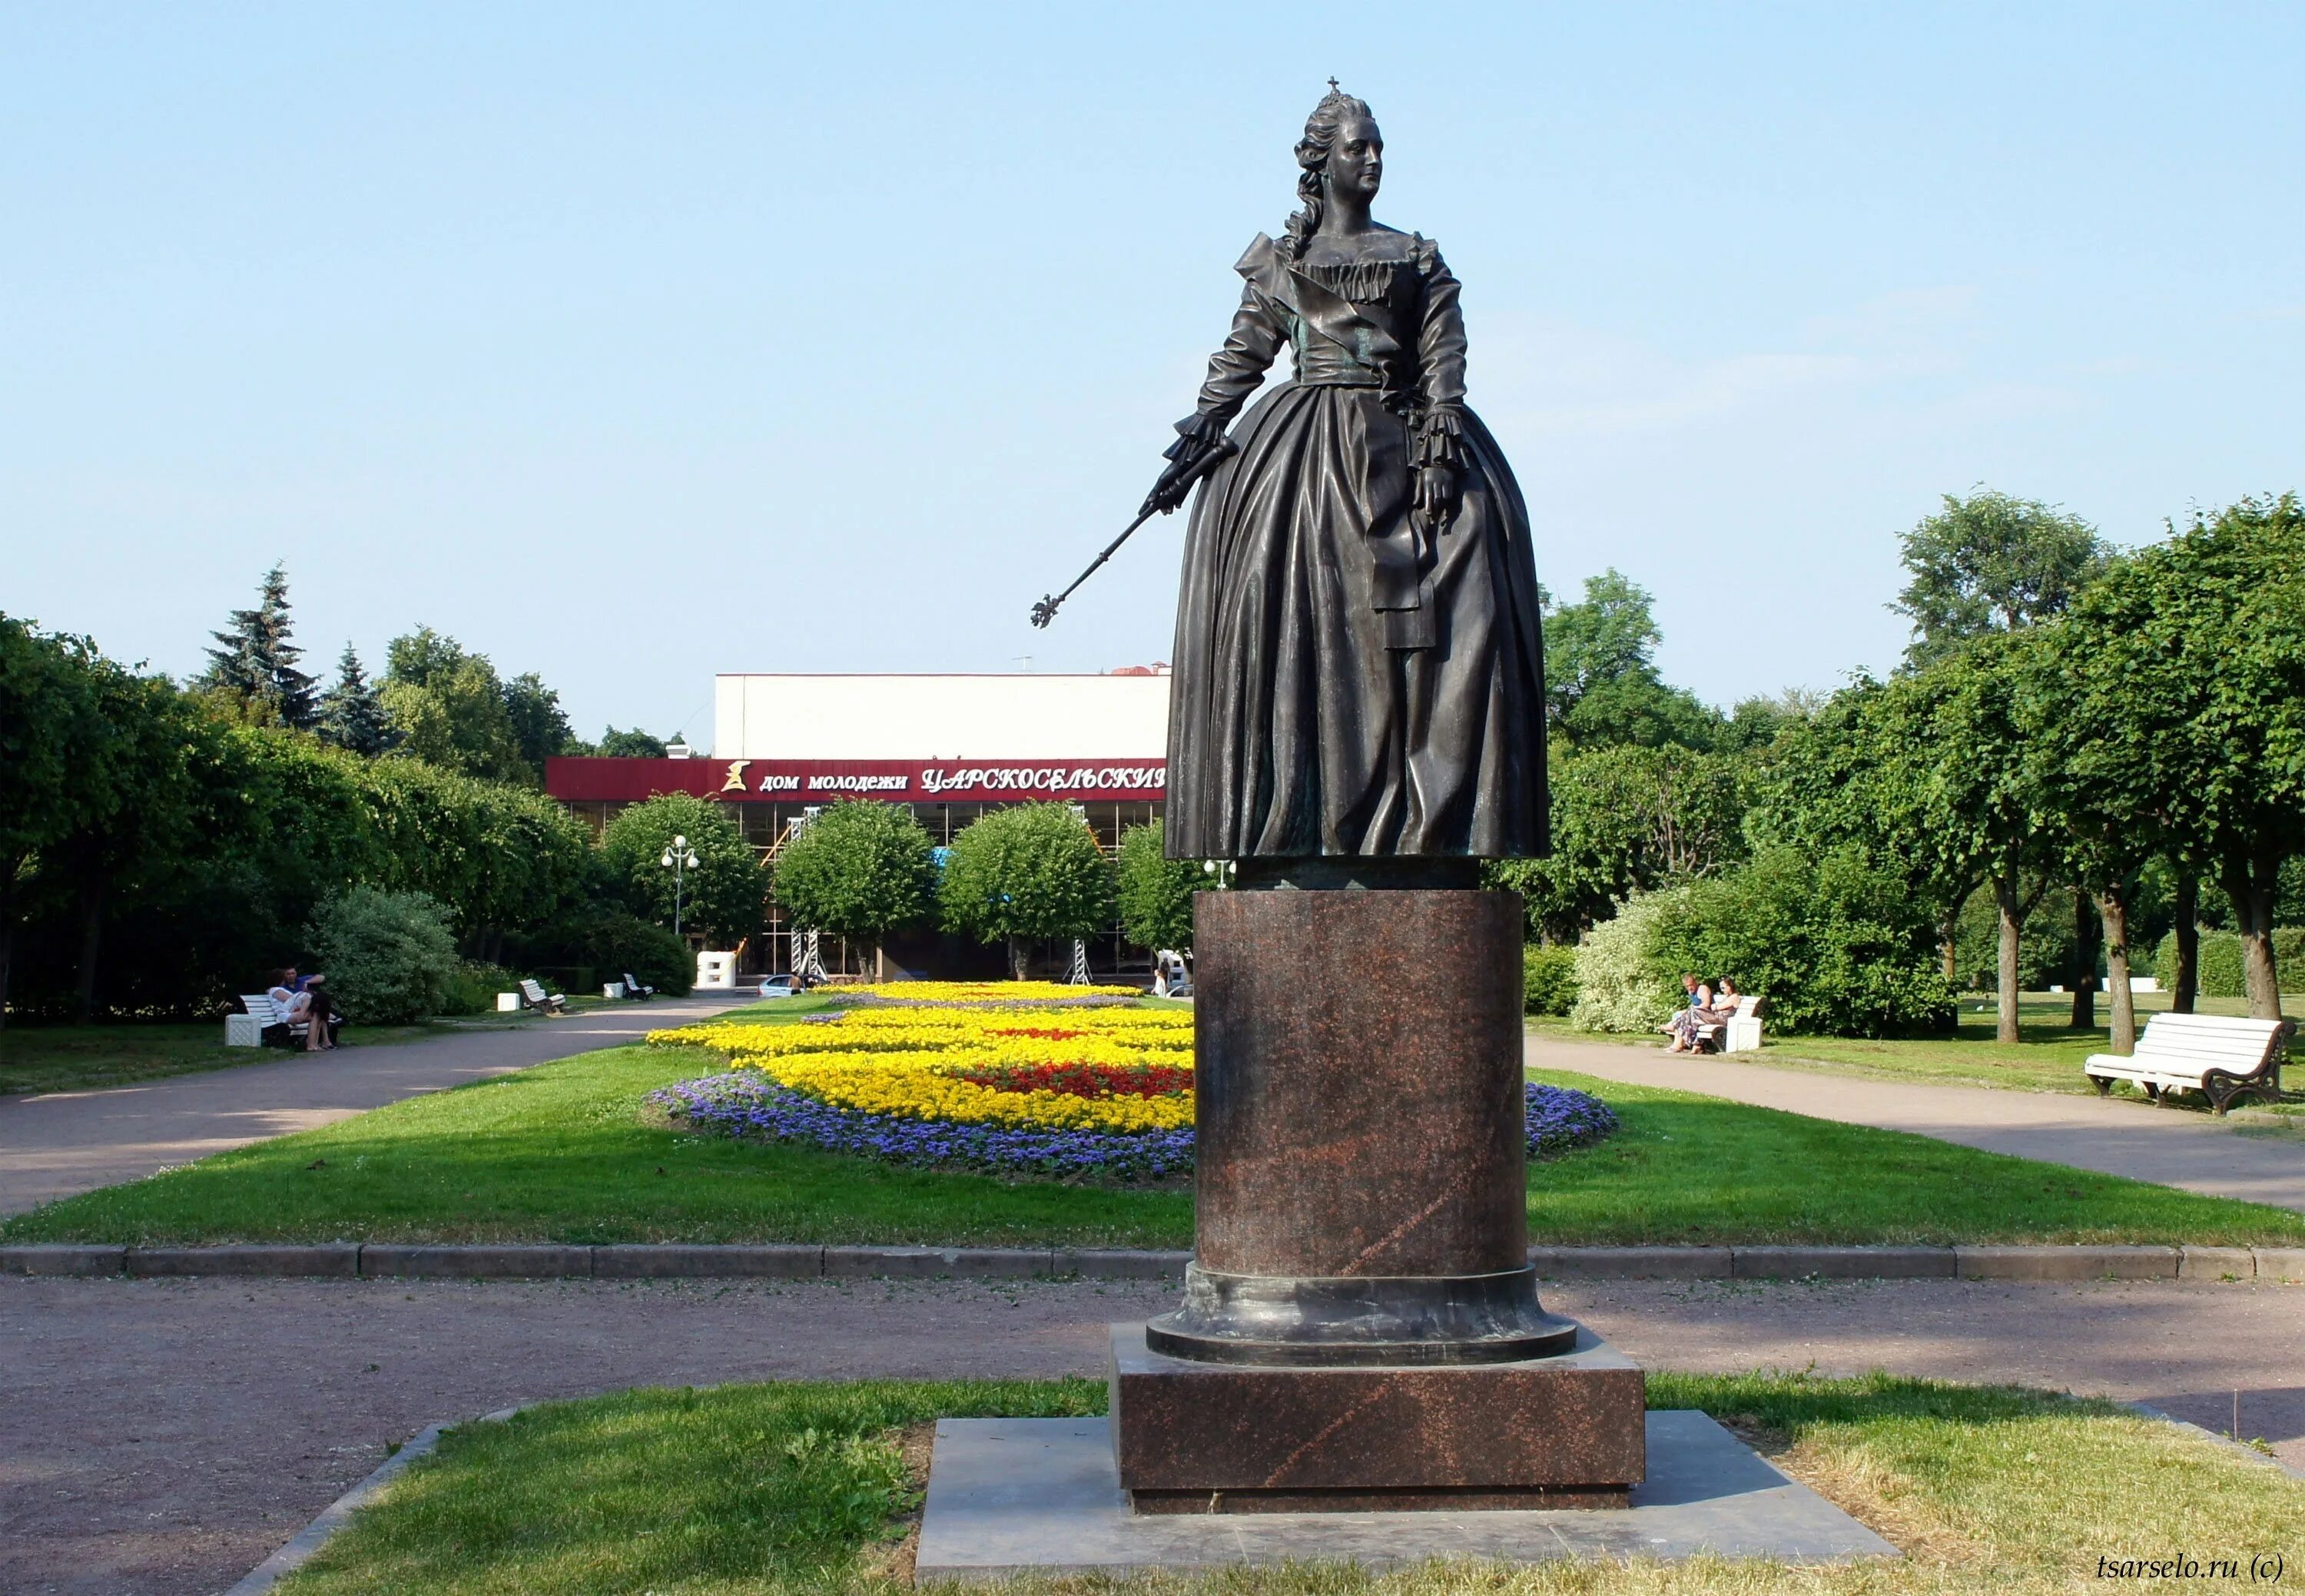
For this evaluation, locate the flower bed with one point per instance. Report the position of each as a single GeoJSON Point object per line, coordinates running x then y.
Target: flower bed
{"type": "Point", "coordinates": [1066, 1092]}
{"type": "Point", "coordinates": [977, 994]}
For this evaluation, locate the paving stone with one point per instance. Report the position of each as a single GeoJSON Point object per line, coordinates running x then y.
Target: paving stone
{"type": "Point", "coordinates": [379, 1259]}
{"type": "Point", "coordinates": [2068, 1263]}
{"type": "Point", "coordinates": [341, 1258]}
{"type": "Point", "coordinates": [1631, 1263]}
{"type": "Point", "coordinates": [1842, 1263]}
{"type": "Point", "coordinates": [916, 1263]}
{"type": "Point", "coordinates": [62, 1257]}
{"type": "Point", "coordinates": [2280, 1263]}
{"type": "Point", "coordinates": [2217, 1263]}
{"type": "Point", "coordinates": [1042, 1496]}
{"type": "Point", "coordinates": [1116, 1263]}
{"type": "Point", "coordinates": [679, 1261]}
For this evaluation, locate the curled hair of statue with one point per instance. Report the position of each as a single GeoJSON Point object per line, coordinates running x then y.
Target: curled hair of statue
{"type": "Point", "coordinates": [1312, 159]}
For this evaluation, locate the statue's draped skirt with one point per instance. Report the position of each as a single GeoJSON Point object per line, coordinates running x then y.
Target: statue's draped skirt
{"type": "Point", "coordinates": [1297, 725]}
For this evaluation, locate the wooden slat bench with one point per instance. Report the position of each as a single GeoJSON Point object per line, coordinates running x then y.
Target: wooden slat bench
{"type": "Point", "coordinates": [2222, 1059]}
{"type": "Point", "coordinates": [532, 995]}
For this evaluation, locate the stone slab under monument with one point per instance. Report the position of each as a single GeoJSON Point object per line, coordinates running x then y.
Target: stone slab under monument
{"type": "Point", "coordinates": [1020, 1495]}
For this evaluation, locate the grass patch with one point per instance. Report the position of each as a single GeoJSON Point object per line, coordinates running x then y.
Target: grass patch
{"type": "Point", "coordinates": [2047, 1059]}
{"type": "Point", "coordinates": [73, 1058]}
{"type": "Point", "coordinates": [560, 1152]}
{"type": "Point", "coordinates": [746, 1490]}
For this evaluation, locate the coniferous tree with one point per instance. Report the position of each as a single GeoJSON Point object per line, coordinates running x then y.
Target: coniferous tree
{"type": "Point", "coordinates": [255, 661]}
{"type": "Point", "coordinates": [351, 712]}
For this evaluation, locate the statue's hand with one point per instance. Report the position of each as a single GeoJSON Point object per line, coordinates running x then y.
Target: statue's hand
{"type": "Point", "coordinates": [1436, 492]}
{"type": "Point", "coordinates": [1174, 484]}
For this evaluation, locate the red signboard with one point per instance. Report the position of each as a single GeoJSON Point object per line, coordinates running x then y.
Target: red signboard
{"type": "Point", "coordinates": [824, 781]}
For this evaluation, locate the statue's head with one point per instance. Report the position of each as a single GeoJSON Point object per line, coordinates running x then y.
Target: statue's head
{"type": "Point", "coordinates": [1342, 153]}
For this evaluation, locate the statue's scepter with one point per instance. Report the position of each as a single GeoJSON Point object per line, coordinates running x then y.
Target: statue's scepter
{"type": "Point", "coordinates": [1167, 494]}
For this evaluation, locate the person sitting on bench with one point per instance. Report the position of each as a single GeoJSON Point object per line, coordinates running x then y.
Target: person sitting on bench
{"type": "Point", "coordinates": [302, 1002]}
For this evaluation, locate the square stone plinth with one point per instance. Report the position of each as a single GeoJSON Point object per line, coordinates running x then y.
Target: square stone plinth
{"type": "Point", "coordinates": [1024, 1496]}
{"type": "Point", "coordinates": [1217, 1438]}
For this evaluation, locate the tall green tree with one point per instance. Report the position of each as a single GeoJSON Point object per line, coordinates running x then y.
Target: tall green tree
{"type": "Point", "coordinates": [635, 744]}
{"type": "Point", "coordinates": [254, 660]}
{"type": "Point", "coordinates": [723, 896]}
{"type": "Point", "coordinates": [50, 733]}
{"type": "Point", "coordinates": [1991, 563]}
{"type": "Point", "coordinates": [448, 707]}
{"type": "Point", "coordinates": [1601, 679]}
{"type": "Point", "coordinates": [1154, 891]}
{"type": "Point", "coordinates": [859, 869]}
{"type": "Point", "coordinates": [2199, 641]}
{"type": "Point", "coordinates": [1024, 874]}
{"type": "Point", "coordinates": [539, 727]}
{"type": "Point", "coordinates": [1625, 819]}
{"type": "Point", "coordinates": [351, 712]}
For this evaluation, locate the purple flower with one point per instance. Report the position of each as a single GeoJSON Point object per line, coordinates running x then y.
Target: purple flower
{"type": "Point", "coordinates": [748, 1105]}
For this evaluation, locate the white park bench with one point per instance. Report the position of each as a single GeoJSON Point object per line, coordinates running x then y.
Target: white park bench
{"type": "Point", "coordinates": [264, 1019]}
{"type": "Point", "coordinates": [2220, 1058]}
{"type": "Point", "coordinates": [532, 995]}
{"type": "Point", "coordinates": [1739, 1033]}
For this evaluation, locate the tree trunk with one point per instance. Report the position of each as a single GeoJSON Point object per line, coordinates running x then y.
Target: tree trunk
{"type": "Point", "coordinates": [2185, 980]}
{"type": "Point", "coordinates": [91, 933]}
{"type": "Point", "coordinates": [7, 947]}
{"type": "Point", "coordinates": [1020, 958]}
{"type": "Point", "coordinates": [2112, 912]}
{"type": "Point", "coordinates": [2252, 886]}
{"type": "Point", "coordinates": [1949, 944]}
{"type": "Point", "coordinates": [2084, 966]}
{"type": "Point", "coordinates": [2012, 925]}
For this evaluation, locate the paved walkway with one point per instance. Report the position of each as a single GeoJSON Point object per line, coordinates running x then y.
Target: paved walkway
{"type": "Point", "coordinates": [59, 1143]}
{"type": "Point", "coordinates": [164, 1436]}
{"type": "Point", "coordinates": [2168, 1147]}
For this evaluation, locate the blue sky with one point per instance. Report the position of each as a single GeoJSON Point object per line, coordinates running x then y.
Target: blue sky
{"type": "Point", "coordinates": [632, 344]}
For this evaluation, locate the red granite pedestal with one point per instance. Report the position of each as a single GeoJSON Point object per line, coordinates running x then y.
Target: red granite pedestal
{"type": "Point", "coordinates": [1361, 1325]}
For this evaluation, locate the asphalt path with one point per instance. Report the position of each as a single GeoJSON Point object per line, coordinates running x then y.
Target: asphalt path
{"type": "Point", "coordinates": [56, 1144]}
{"type": "Point", "coordinates": [2169, 1147]}
{"type": "Point", "coordinates": [165, 1436]}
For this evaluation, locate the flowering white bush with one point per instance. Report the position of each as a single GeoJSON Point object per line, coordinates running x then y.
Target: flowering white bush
{"type": "Point", "coordinates": [1618, 988]}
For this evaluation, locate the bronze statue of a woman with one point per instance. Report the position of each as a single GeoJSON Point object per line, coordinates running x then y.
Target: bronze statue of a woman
{"type": "Point", "coordinates": [1358, 667]}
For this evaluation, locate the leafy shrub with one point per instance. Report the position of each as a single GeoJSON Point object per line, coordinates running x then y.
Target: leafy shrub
{"type": "Point", "coordinates": [2222, 972]}
{"type": "Point", "coordinates": [1548, 978]}
{"type": "Point", "coordinates": [600, 943]}
{"type": "Point", "coordinates": [1621, 986]}
{"type": "Point", "coordinates": [389, 956]}
{"type": "Point", "coordinates": [1835, 946]}
{"type": "Point", "coordinates": [1155, 891]}
{"type": "Point", "coordinates": [472, 987]}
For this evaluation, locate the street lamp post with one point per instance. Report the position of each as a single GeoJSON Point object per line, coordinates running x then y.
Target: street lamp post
{"type": "Point", "coordinates": [679, 859]}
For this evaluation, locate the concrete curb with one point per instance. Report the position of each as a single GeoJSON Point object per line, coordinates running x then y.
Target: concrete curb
{"type": "Point", "coordinates": [702, 1262]}
{"type": "Point", "coordinates": [307, 1541]}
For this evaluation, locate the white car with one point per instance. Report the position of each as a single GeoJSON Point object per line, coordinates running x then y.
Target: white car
{"type": "Point", "coordinates": [782, 986]}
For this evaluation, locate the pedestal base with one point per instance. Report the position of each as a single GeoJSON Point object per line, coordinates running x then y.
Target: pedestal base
{"type": "Point", "coordinates": [1212, 1437]}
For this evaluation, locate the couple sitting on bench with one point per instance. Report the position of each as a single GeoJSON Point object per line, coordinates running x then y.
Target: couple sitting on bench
{"type": "Point", "coordinates": [303, 1008]}
{"type": "Point", "coordinates": [1702, 1016]}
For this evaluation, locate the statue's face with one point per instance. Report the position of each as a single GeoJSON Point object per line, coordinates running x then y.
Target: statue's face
{"type": "Point", "coordinates": [1356, 159]}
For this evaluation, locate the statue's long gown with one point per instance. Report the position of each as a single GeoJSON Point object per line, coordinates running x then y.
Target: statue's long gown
{"type": "Point", "coordinates": [1350, 679]}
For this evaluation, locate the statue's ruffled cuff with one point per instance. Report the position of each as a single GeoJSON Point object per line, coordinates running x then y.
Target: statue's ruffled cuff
{"type": "Point", "coordinates": [1439, 437]}
{"type": "Point", "coordinates": [1196, 435]}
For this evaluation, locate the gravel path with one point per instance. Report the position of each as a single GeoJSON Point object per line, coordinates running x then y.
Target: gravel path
{"type": "Point", "coordinates": [59, 1143]}
{"type": "Point", "coordinates": [164, 1436]}
{"type": "Point", "coordinates": [2168, 1147]}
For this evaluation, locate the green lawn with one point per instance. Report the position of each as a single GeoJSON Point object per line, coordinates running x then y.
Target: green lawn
{"type": "Point", "coordinates": [744, 1490]}
{"type": "Point", "coordinates": [71, 1058]}
{"type": "Point", "coordinates": [560, 1152]}
{"type": "Point", "coordinates": [2049, 1059]}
